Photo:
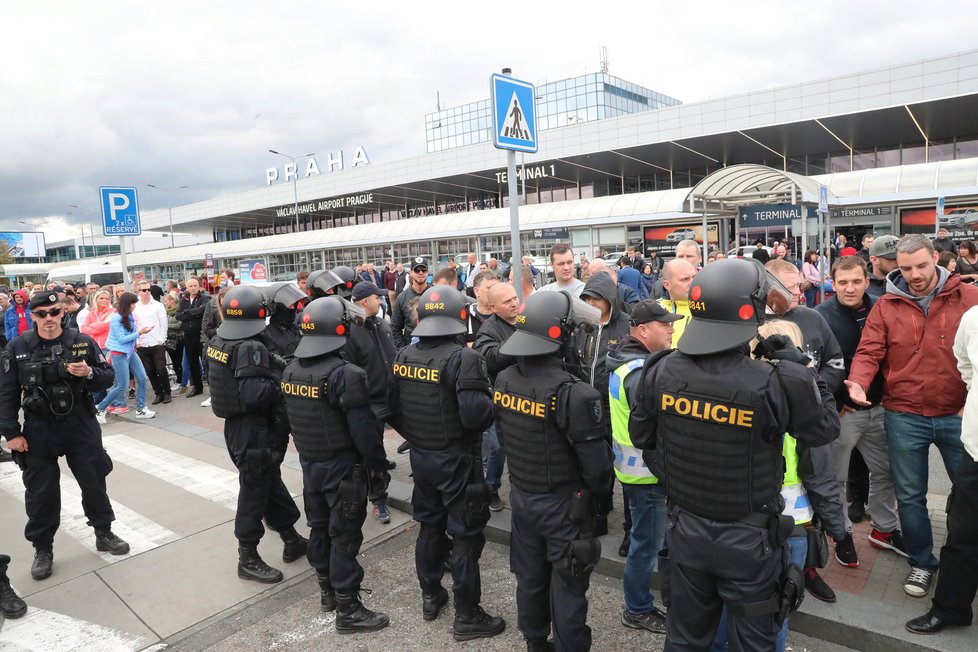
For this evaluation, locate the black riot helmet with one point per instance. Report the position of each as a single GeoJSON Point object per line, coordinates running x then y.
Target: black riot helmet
{"type": "Point", "coordinates": [284, 294]}
{"type": "Point", "coordinates": [321, 282]}
{"type": "Point", "coordinates": [245, 310]}
{"type": "Point", "coordinates": [727, 301]}
{"type": "Point", "coordinates": [325, 325]}
{"type": "Point", "coordinates": [441, 311]}
{"type": "Point", "coordinates": [546, 322]}
{"type": "Point", "coordinates": [348, 278]}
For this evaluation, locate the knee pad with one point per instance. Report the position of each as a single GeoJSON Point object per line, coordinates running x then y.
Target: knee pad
{"type": "Point", "coordinates": [349, 542]}
{"type": "Point", "coordinates": [469, 547]}
{"type": "Point", "coordinates": [430, 532]}
{"type": "Point", "coordinates": [582, 556]}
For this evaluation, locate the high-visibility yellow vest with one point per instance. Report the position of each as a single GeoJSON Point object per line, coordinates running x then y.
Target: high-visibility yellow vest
{"type": "Point", "coordinates": [629, 465]}
{"type": "Point", "coordinates": [678, 326]}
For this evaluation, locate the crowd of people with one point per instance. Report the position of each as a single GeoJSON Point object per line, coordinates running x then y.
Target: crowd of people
{"type": "Point", "coordinates": [640, 370]}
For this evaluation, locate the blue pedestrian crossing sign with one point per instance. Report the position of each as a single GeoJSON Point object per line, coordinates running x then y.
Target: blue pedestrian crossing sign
{"type": "Point", "coordinates": [513, 114]}
{"type": "Point", "coordinates": [120, 210]}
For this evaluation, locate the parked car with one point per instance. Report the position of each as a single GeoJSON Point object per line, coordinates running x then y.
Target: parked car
{"type": "Point", "coordinates": [681, 234]}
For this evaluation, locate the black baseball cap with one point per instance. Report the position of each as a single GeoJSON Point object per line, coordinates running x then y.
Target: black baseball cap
{"type": "Point", "coordinates": [364, 289]}
{"type": "Point", "coordinates": [419, 262]}
{"type": "Point", "coordinates": [650, 310]}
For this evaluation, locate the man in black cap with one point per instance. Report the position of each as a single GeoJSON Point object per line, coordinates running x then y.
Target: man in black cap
{"type": "Point", "coordinates": [401, 326]}
{"type": "Point", "coordinates": [371, 347]}
{"type": "Point", "coordinates": [335, 433]}
{"type": "Point", "coordinates": [552, 427]}
{"type": "Point", "coordinates": [49, 371]}
{"type": "Point", "coordinates": [882, 257]}
{"type": "Point", "coordinates": [440, 394]}
{"type": "Point", "coordinates": [711, 422]}
{"type": "Point", "coordinates": [244, 392]}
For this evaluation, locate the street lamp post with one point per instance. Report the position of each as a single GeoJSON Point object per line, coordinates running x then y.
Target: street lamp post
{"type": "Point", "coordinates": [295, 183]}
{"type": "Point", "coordinates": [169, 205]}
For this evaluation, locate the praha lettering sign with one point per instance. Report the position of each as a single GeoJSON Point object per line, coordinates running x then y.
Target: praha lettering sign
{"type": "Point", "coordinates": [334, 161]}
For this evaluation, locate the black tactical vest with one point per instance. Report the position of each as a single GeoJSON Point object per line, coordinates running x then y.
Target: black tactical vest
{"type": "Point", "coordinates": [221, 362]}
{"type": "Point", "coordinates": [711, 446]}
{"type": "Point", "coordinates": [318, 429]}
{"type": "Point", "coordinates": [539, 455]}
{"type": "Point", "coordinates": [429, 407]}
{"type": "Point", "coordinates": [49, 391]}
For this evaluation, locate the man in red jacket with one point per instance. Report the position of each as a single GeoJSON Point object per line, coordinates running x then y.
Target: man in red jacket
{"type": "Point", "coordinates": [909, 336]}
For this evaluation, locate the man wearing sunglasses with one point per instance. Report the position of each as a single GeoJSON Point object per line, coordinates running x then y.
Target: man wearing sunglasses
{"type": "Point", "coordinates": [49, 371]}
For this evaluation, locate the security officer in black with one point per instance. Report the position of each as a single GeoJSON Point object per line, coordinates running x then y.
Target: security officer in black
{"type": "Point", "coordinates": [401, 327]}
{"type": "Point", "coordinates": [711, 420]}
{"type": "Point", "coordinates": [440, 393]}
{"type": "Point", "coordinates": [337, 437]}
{"type": "Point", "coordinates": [244, 392]}
{"type": "Point", "coordinates": [551, 424]}
{"type": "Point", "coordinates": [49, 371]}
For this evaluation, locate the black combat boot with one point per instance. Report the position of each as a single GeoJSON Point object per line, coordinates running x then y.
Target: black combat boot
{"type": "Point", "coordinates": [43, 561]}
{"type": "Point", "coordinates": [473, 622]}
{"type": "Point", "coordinates": [433, 602]}
{"type": "Point", "coordinates": [327, 597]}
{"type": "Point", "coordinates": [353, 617]}
{"type": "Point", "coordinates": [252, 567]}
{"type": "Point", "coordinates": [11, 606]}
{"type": "Point", "coordinates": [106, 541]}
{"type": "Point", "coordinates": [295, 545]}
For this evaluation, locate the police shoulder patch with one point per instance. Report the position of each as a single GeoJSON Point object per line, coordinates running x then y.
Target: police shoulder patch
{"type": "Point", "coordinates": [256, 356]}
{"type": "Point", "coordinates": [597, 410]}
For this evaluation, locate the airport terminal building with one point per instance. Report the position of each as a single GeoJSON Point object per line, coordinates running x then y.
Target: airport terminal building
{"type": "Point", "coordinates": [617, 165]}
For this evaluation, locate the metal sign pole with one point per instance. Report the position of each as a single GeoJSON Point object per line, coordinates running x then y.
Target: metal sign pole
{"type": "Point", "coordinates": [514, 225]}
{"type": "Point", "coordinates": [125, 270]}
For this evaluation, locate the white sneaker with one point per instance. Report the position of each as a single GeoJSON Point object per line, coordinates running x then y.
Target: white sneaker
{"type": "Point", "coordinates": [100, 417]}
{"type": "Point", "coordinates": [206, 403]}
{"type": "Point", "coordinates": [145, 413]}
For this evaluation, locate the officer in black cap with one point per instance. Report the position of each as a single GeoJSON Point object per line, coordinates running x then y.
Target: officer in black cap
{"type": "Point", "coordinates": [49, 371]}
{"type": "Point", "coordinates": [711, 420]}
{"type": "Point", "coordinates": [401, 326]}
{"type": "Point", "coordinates": [244, 392]}
{"type": "Point", "coordinates": [551, 424]}
{"type": "Point", "coordinates": [371, 348]}
{"type": "Point", "coordinates": [440, 395]}
{"type": "Point", "coordinates": [338, 440]}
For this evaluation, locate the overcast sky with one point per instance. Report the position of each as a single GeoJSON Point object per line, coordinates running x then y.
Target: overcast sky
{"type": "Point", "coordinates": [181, 93]}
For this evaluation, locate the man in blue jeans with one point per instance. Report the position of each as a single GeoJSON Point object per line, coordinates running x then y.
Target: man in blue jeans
{"type": "Point", "coordinates": [908, 336]}
{"type": "Point", "coordinates": [651, 330]}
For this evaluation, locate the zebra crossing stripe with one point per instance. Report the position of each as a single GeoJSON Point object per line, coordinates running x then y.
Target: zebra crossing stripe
{"type": "Point", "coordinates": [139, 532]}
{"type": "Point", "coordinates": [42, 631]}
{"type": "Point", "coordinates": [200, 478]}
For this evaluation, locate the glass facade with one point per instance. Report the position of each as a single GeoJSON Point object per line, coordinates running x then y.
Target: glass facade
{"type": "Point", "coordinates": [566, 102]}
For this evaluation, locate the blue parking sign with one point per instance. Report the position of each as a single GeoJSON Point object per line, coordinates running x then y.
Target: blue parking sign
{"type": "Point", "coordinates": [120, 210]}
{"type": "Point", "coordinates": [513, 114]}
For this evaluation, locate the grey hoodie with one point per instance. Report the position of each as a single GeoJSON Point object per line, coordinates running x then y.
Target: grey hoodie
{"type": "Point", "coordinates": [896, 284]}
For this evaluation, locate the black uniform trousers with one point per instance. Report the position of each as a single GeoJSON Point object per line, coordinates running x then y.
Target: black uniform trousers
{"type": "Point", "coordinates": [334, 541]}
{"type": "Point", "coordinates": [440, 479]}
{"type": "Point", "coordinates": [957, 582]}
{"type": "Point", "coordinates": [260, 495]}
{"type": "Point", "coordinates": [79, 439]}
{"type": "Point", "coordinates": [545, 592]}
{"type": "Point", "coordinates": [712, 563]}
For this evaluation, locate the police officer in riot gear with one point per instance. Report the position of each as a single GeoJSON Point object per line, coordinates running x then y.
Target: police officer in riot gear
{"type": "Point", "coordinates": [440, 393]}
{"type": "Point", "coordinates": [338, 440]}
{"type": "Point", "coordinates": [551, 424]}
{"type": "Point", "coordinates": [49, 371]}
{"type": "Point", "coordinates": [282, 334]}
{"type": "Point", "coordinates": [711, 420]}
{"type": "Point", "coordinates": [321, 283]}
{"type": "Point", "coordinates": [244, 392]}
